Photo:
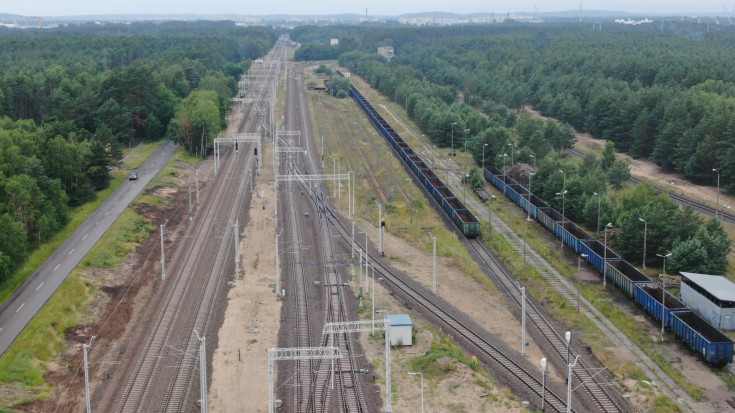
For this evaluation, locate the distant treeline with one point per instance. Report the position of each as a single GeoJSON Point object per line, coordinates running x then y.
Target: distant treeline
{"type": "Point", "coordinates": [72, 97]}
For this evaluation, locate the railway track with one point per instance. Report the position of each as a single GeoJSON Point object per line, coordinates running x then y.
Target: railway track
{"type": "Point", "coordinates": [598, 391]}
{"type": "Point", "coordinates": [521, 376]}
{"type": "Point", "coordinates": [680, 199]}
{"type": "Point", "coordinates": [197, 268]}
{"type": "Point", "coordinates": [349, 390]}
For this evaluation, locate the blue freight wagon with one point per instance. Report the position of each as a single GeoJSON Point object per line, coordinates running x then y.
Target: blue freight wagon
{"type": "Point", "coordinates": [572, 235]}
{"type": "Point", "coordinates": [549, 218]}
{"type": "Point", "coordinates": [649, 296]}
{"type": "Point", "coordinates": [537, 205]}
{"type": "Point", "coordinates": [512, 193]}
{"type": "Point", "coordinates": [595, 252]}
{"type": "Point", "coordinates": [495, 177]}
{"type": "Point", "coordinates": [624, 275]}
{"type": "Point", "coordinates": [709, 342]}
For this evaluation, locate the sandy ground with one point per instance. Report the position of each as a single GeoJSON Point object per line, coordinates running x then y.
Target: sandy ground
{"type": "Point", "coordinates": [252, 319]}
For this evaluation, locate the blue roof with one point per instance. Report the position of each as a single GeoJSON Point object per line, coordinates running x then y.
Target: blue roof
{"type": "Point", "coordinates": [399, 320]}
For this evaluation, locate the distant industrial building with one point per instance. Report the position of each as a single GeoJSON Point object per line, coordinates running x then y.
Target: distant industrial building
{"type": "Point", "coordinates": [386, 51]}
{"type": "Point", "coordinates": [712, 296]}
{"type": "Point", "coordinates": [333, 42]}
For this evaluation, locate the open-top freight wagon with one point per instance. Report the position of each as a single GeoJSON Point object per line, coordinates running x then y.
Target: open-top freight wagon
{"type": "Point", "coordinates": [715, 347]}
{"type": "Point", "coordinates": [462, 217]}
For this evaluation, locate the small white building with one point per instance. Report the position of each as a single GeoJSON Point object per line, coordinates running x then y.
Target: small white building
{"type": "Point", "coordinates": [401, 329]}
{"type": "Point", "coordinates": [711, 296]}
{"type": "Point", "coordinates": [333, 42]}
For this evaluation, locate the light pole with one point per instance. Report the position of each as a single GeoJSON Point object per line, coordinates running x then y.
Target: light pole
{"type": "Point", "coordinates": [528, 210]}
{"type": "Point", "coordinates": [645, 234]}
{"type": "Point", "coordinates": [543, 384]}
{"type": "Point", "coordinates": [663, 296]}
{"type": "Point", "coordinates": [534, 159]}
{"type": "Point", "coordinates": [464, 188]}
{"type": "Point", "coordinates": [579, 270]}
{"type": "Point", "coordinates": [505, 181]}
{"type": "Point", "coordinates": [422, 387]}
{"type": "Point", "coordinates": [563, 196]}
{"type": "Point", "coordinates": [465, 140]}
{"type": "Point", "coordinates": [568, 338]}
{"type": "Point", "coordinates": [483, 158]}
{"type": "Point", "coordinates": [452, 153]}
{"type": "Point", "coordinates": [511, 152]}
{"type": "Point", "coordinates": [433, 238]}
{"type": "Point", "coordinates": [564, 180]}
{"type": "Point", "coordinates": [604, 259]}
{"type": "Point", "coordinates": [599, 207]}
{"type": "Point", "coordinates": [569, 384]}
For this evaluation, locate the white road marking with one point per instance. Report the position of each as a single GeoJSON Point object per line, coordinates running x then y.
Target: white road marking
{"type": "Point", "coordinates": [57, 267]}
{"type": "Point", "coordinates": [39, 286]}
{"type": "Point", "coordinates": [1, 329]}
{"type": "Point", "coordinates": [107, 213]}
{"type": "Point", "coordinates": [21, 306]}
{"type": "Point", "coordinates": [72, 250]}
{"type": "Point", "coordinates": [85, 236]}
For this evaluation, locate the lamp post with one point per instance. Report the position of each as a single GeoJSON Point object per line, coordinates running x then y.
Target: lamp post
{"type": "Point", "coordinates": [599, 207]}
{"type": "Point", "coordinates": [568, 338]}
{"type": "Point", "coordinates": [505, 181]}
{"type": "Point", "coordinates": [528, 210]}
{"type": "Point", "coordinates": [563, 196]}
{"type": "Point", "coordinates": [483, 157]}
{"type": "Point", "coordinates": [464, 188]}
{"type": "Point", "coordinates": [534, 159]}
{"type": "Point", "coordinates": [645, 234]}
{"type": "Point", "coordinates": [511, 152]}
{"type": "Point", "coordinates": [579, 270]}
{"type": "Point", "coordinates": [543, 384]}
{"type": "Point", "coordinates": [422, 387]}
{"type": "Point", "coordinates": [663, 296]}
{"type": "Point", "coordinates": [465, 140]}
{"type": "Point", "coordinates": [564, 180]}
{"type": "Point", "coordinates": [452, 153]}
{"type": "Point", "coordinates": [433, 285]}
{"type": "Point", "coordinates": [604, 259]}
{"type": "Point", "coordinates": [569, 384]}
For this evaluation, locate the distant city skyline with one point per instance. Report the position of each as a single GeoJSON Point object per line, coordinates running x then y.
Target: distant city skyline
{"type": "Point", "coordinates": [375, 7]}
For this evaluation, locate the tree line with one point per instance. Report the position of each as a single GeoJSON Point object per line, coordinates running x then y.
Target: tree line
{"type": "Point", "coordinates": [647, 93]}
{"type": "Point", "coordinates": [72, 97]}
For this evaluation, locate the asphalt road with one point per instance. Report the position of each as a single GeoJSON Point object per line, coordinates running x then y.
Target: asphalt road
{"type": "Point", "coordinates": [20, 309]}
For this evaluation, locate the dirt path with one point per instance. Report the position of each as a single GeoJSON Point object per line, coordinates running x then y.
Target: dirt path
{"type": "Point", "coordinates": [252, 319]}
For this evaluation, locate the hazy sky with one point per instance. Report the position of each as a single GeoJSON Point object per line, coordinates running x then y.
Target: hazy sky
{"type": "Point", "coordinates": [375, 7]}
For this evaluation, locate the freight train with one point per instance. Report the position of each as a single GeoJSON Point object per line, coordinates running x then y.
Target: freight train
{"type": "Point", "coordinates": [710, 343]}
{"type": "Point", "coordinates": [452, 206]}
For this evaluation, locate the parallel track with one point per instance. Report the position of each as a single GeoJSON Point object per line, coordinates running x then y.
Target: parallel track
{"type": "Point", "coordinates": [598, 391]}
{"type": "Point", "coordinates": [197, 268]}
{"type": "Point", "coordinates": [521, 376]}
